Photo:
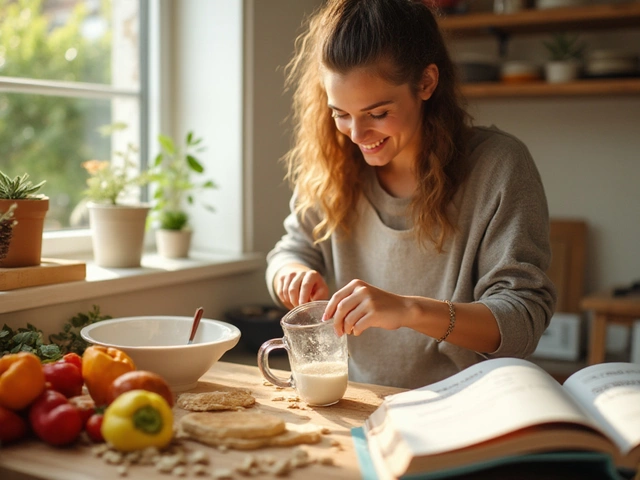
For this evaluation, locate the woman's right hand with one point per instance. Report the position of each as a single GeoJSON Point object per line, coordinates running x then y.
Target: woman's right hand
{"type": "Point", "coordinates": [298, 284]}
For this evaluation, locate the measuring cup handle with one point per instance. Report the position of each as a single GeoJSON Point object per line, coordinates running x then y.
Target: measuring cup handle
{"type": "Point", "coordinates": [263, 362]}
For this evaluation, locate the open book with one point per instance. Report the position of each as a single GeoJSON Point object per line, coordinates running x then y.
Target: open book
{"type": "Point", "coordinates": [502, 409]}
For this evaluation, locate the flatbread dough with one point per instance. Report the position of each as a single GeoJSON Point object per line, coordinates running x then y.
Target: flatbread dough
{"type": "Point", "coordinates": [247, 430]}
{"type": "Point", "coordinates": [210, 401]}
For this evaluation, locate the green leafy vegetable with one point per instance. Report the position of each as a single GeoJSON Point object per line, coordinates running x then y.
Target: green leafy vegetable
{"type": "Point", "coordinates": [69, 340]}
{"type": "Point", "coordinates": [28, 339]}
{"type": "Point", "coordinates": [31, 339]}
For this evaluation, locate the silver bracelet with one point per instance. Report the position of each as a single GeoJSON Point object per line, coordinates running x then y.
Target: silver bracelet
{"type": "Point", "coordinates": [452, 321]}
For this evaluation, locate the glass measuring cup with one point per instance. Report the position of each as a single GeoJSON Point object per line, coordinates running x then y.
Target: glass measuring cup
{"type": "Point", "coordinates": [318, 357]}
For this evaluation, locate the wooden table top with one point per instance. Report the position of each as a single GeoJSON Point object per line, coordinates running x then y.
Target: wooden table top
{"type": "Point", "coordinates": [605, 302]}
{"type": "Point", "coordinates": [36, 460]}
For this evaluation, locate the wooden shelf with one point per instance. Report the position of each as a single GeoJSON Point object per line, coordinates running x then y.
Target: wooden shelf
{"type": "Point", "coordinates": [608, 87]}
{"type": "Point", "coordinates": [591, 17]}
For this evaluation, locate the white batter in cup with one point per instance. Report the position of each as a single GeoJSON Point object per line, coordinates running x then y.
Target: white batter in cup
{"type": "Point", "coordinates": [318, 357]}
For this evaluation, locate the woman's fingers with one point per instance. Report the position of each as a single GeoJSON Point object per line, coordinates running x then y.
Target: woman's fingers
{"type": "Point", "coordinates": [358, 306]}
{"type": "Point", "coordinates": [298, 286]}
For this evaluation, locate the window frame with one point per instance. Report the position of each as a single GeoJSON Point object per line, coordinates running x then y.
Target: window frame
{"type": "Point", "coordinates": [78, 240]}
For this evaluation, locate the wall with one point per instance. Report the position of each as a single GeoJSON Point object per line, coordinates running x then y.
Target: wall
{"type": "Point", "coordinates": [216, 296]}
{"type": "Point", "coordinates": [586, 149]}
{"type": "Point", "coordinates": [276, 24]}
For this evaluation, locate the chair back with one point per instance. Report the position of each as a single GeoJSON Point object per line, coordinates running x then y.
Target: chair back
{"type": "Point", "coordinates": [568, 262]}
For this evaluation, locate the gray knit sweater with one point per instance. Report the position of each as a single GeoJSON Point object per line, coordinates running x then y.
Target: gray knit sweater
{"type": "Point", "coordinates": [497, 257]}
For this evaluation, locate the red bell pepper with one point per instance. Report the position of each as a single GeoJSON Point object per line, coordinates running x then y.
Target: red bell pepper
{"type": "Point", "coordinates": [54, 420]}
{"type": "Point", "coordinates": [64, 377]}
{"type": "Point", "coordinates": [12, 426]}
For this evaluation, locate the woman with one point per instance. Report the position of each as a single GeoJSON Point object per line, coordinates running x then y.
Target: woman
{"type": "Point", "coordinates": [429, 236]}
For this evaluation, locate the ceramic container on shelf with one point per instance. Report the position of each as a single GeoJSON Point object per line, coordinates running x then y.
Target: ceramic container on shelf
{"type": "Point", "coordinates": [509, 6]}
{"type": "Point", "coordinates": [173, 243]}
{"type": "Point", "coordinates": [117, 234]}
{"type": "Point", "coordinates": [519, 71]}
{"type": "Point", "coordinates": [612, 62]}
{"type": "Point", "coordinates": [562, 71]}
{"type": "Point", "coordinates": [474, 67]}
{"type": "Point", "coordinates": [25, 247]}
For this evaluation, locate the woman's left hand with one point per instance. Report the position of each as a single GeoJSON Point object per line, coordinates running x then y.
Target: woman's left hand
{"type": "Point", "coordinates": [358, 306]}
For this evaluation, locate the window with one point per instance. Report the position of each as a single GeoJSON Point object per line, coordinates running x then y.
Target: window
{"type": "Point", "coordinates": [68, 67]}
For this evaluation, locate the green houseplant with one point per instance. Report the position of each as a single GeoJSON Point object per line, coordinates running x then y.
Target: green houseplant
{"type": "Point", "coordinates": [566, 53]}
{"type": "Point", "coordinates": [20, 200]}
{"type": "Point", "coordinates": [117, 225]}
{"type": "Point", "coordinates": [172, 178]}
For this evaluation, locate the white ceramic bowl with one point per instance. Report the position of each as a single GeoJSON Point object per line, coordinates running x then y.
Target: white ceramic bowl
{"type": "Point", "coordinates": [159, 344]}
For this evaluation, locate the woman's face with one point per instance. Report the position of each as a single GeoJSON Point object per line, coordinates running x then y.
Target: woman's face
{"type": "Point", "coordinates": [383, 119]}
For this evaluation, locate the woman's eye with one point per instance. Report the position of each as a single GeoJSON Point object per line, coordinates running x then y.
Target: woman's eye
{"type": "Point", "coordinates": [338, 115]}
{"type": "Point", "coordinates": [379, 116]}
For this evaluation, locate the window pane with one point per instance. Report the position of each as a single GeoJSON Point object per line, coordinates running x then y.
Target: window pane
{"type": "Point", "coordinates": [71, 40]}
{"type": "Point", "coordinates": [50, 137]}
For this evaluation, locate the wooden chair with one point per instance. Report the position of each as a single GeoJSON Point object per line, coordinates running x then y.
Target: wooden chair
{"type": "Point", "coordinates": [568, 262]}
{"type": "Point", "coordinates": [567, 272]}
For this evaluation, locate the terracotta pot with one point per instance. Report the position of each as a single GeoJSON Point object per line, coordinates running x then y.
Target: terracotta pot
{"type": "Point", "coordinates": [173, 243]}
{"type": "Point", "coordinates": [117, 234]}
{"type": "Point", "coordinates": [25, 248]}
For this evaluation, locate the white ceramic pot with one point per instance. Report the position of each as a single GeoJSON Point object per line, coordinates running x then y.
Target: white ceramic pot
{"type": "Point", "coordinates": [173, 243]}
{"type": "Point", "coordinates": [117, 234]}
{"type": "Point", "coordinates": [562, 71]}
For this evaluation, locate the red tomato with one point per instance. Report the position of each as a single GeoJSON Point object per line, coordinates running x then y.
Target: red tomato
{"type": "Point", "coordinates": [64, 377]}
{"type": "Point", "coordinates": [74, 359]}
{"type": "Point", "coordinates": [93, 427]}
{"type": "Point", "coordinates": [54, 420]}
{"type": "Point", "coordinates": [12, 426]}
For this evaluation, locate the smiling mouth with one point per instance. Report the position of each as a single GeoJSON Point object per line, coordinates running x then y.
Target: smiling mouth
{"type": "Point", "coordinates": [372, 146]}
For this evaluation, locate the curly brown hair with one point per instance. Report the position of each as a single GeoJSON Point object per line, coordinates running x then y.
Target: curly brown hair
{"type": "Point", "coordinates": [324, 166]}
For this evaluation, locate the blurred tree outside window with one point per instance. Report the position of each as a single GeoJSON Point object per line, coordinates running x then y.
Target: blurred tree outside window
{"type": "Point", "coordinates": [67, 67]}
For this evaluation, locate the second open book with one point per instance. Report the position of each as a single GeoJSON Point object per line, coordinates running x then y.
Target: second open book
{"type": "Point", "coordinates": [507, 407]}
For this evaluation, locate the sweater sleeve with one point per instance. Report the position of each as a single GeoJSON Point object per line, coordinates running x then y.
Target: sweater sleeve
{"type": "Point", "coordinates": [295, 246]}
{"type": "Point", "coordinates": [514, 252]}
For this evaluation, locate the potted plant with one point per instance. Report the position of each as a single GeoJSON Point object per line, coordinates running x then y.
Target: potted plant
{"type": "Point", "coordinates": [117, 227]}
{"type": "Point", "coordinates": [172, 179]}
{"type": "Point", "coordinates": [7, 222]}
{"type": "Point", "coordinates": [565, 58]}
{"type": "Point", "coordinates": [19, 200]}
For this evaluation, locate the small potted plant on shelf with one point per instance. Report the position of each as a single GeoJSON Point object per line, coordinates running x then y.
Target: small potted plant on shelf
{"type": "Point", "coordinates": [20, 201]}
{"type": "Point", "coordinates": [117, 225]}
{"type": "Point", "coordinates": [7, 222]}
{"type": "Point", "coordinates": [171, 177]}
{"type": "Point", "coordinates": [566, 53]}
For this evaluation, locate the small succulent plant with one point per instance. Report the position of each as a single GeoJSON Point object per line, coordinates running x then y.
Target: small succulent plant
{"type": "Point", "coordinates": [565, 47]}
{"type": "Point", "coordinates": [18, 188]}
{"type": "Point", "coordinates": [7, 222]}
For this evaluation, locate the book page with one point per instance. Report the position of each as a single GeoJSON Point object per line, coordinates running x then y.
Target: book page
{"type": "Point", "coordinates": [610, 392]}
{"type": "Point", "coordinates": [484, 401]}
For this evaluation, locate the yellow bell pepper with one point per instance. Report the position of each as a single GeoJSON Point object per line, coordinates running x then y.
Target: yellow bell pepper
{"type": "Point", "coordinates": [100, 367]}
{"type": "Point", "coordinates": [21, 380]}
{"type": "Point", "coordinates": [138, 419]}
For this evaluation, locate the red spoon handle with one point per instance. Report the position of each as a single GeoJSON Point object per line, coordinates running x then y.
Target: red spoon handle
{"type": "Point", "coordinates": [196, 322]}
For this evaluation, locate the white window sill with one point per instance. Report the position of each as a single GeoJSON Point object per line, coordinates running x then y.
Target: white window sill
{"type": "Point", "coordinates": [154, 272]}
